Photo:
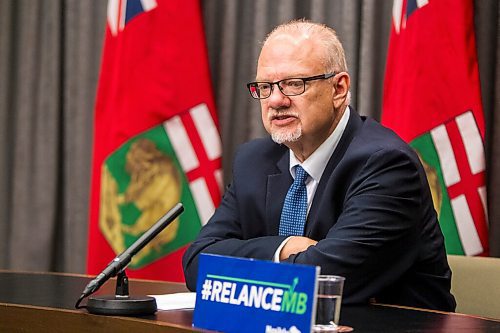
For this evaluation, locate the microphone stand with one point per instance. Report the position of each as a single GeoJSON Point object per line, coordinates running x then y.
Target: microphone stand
{"type": "Point", "coordinates": [122, 303]}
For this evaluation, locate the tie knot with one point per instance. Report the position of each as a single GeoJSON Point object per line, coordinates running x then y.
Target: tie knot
{"type": "Point", "coordinates": [300, 175]}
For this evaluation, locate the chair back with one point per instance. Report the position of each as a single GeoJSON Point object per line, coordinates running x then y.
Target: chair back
{"type": "Point", "coordinates": [475, 283]}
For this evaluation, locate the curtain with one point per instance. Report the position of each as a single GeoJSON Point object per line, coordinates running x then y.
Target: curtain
{"type": "Point", "coordinates": [49, 65]}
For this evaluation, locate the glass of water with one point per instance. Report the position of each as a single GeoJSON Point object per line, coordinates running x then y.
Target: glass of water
{"type": "Point", "coordinates": [328, 301]}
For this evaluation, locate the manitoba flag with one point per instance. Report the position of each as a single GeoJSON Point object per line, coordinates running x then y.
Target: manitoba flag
{"type": "Point", "coordinates": [156, 138]}
{"type": "Point", "coordinates": [432, 100]}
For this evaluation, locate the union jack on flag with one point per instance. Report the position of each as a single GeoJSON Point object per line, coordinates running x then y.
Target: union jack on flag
{"type": "Point", "coordinates": [120, 12]}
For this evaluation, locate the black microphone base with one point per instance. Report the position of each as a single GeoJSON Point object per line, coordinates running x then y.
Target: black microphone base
{"type": "Point", "coordinates": [121, 305]}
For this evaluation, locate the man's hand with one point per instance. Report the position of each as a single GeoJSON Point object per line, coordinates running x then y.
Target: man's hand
{"type": "Point", "coordinates": [295, 245]}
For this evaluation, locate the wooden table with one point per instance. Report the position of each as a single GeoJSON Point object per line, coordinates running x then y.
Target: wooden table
{"type": "Point", "coordinates": [44, 302]}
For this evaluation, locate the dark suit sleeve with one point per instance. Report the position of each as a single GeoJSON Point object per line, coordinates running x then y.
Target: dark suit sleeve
{"type": "Point", "coordinates": [223, 235]}
{"type": "Point", "coordinates": [374, 240]}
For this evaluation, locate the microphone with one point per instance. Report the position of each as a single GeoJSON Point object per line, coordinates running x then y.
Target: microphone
{"type": "Point", "coordinates": [119, 263]}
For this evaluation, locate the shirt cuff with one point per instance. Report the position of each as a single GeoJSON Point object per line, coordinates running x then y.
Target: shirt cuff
{"type": "Point", "coordinates": [276, 257]}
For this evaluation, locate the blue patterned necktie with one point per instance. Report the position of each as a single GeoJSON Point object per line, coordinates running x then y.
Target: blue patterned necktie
{"type": "Point", "coordinates": [294, 213]}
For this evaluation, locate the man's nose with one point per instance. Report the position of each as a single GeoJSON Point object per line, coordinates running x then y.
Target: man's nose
{"type": "Point", "coordinates": [278, 99]}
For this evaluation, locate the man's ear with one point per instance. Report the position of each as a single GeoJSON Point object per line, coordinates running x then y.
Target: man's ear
{"type": "Point", "coordinates": [342, 85]}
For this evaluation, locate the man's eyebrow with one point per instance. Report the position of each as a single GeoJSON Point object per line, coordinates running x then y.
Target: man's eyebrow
{"type": "Point", "coordinates": [292, 76]}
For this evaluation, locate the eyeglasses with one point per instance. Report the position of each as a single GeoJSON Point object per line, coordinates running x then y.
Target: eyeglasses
{"type": "Point", "coordinates": [288, 87]}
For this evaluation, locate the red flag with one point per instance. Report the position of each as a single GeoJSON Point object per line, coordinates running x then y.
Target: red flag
{"type": "Point", "coordinates": [432, 100]}
{"type": "Point", "coordinates": [156, 139]}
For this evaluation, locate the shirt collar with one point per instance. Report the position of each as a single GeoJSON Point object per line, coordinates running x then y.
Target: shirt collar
{"type": "Point", "coordinates": [315, 164]}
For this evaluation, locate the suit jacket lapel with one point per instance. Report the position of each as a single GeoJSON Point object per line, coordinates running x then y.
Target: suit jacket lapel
{"type": "Point", "coordinates": [352, 127]}
{"type": "Point", "coordinates": [277, 187]}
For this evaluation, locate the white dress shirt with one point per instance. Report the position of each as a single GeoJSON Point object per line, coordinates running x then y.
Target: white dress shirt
{"type": "Point", "coordinates": [315, 165]}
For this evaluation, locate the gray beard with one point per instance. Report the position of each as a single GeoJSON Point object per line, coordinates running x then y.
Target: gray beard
{"type": "Point", "coordinates": [281, 137]}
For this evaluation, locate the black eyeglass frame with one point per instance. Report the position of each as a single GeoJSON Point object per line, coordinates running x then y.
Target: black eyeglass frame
{"type": "Point", "coordinates": [304, 80]}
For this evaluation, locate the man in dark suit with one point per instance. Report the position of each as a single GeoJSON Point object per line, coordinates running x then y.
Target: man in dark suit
{"type": "Point", "coordinates": [329, 188]}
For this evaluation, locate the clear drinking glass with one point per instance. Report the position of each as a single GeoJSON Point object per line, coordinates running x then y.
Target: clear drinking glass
{"type": "Point", "coordinates": [328, 302]}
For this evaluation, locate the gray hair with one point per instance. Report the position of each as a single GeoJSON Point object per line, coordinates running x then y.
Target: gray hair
{"type": "Point", "coordinates": [334, 57]}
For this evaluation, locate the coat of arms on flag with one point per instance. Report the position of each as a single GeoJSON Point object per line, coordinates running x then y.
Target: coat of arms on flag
{"type": "Point", "coordinates": [452, 155]}
{"type": "Point", "coordinates": [149, 174]}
